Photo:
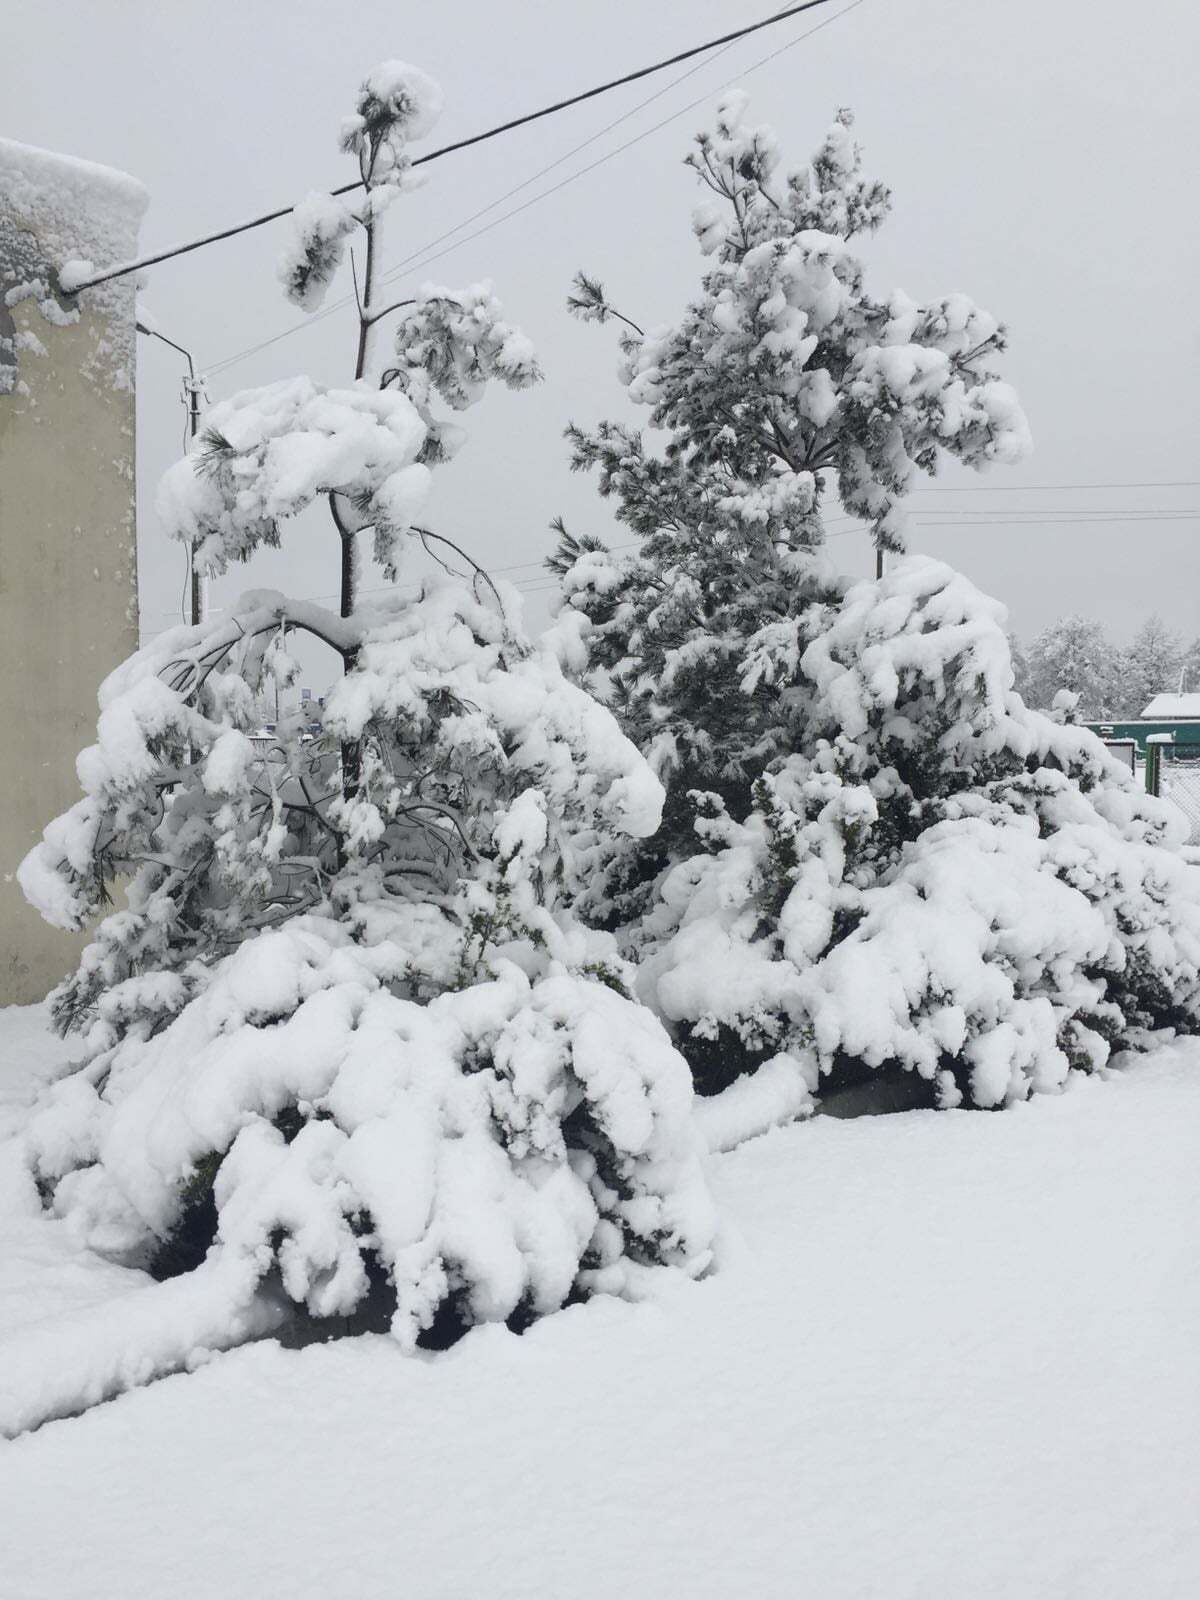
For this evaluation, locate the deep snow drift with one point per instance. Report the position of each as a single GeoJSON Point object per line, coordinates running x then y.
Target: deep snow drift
{"type": "Point", "coordinates": [946, 1354]}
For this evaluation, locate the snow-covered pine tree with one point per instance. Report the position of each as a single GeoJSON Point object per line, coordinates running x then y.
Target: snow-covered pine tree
{"type": "Point", "coordinates": [1152, 664]}
{"type": "Point", "coordinates": [875, 861]}
{"type": "Point", "coordinates": [1189, 668]}
{"type": "Point", "coordinates": [344, 1044]}
{"type": "Point", "coordinates": [1020, 665]}
{"type": "Point", "coordinates": [1076, 654]}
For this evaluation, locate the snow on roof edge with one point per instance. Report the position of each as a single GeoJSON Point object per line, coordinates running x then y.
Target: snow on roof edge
{"type": "Point", "coordinates": [1174, 706]}
{"type": "Point", "coordinates": [33, 161]}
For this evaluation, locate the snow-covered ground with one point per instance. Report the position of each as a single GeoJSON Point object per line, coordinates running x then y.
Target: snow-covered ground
{"type": "Point", "coordinates": [947, 1354]}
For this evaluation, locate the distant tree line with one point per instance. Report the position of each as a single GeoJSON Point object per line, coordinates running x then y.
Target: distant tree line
{"type": "Point", "coordinates": [1111, 680]}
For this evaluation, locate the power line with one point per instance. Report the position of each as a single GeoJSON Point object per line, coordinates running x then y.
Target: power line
{"type": "Point", "coordinates": [423, 258]}
{"type": "Point", "coordinates": [420, 259]}
{"type": "Point", "coordinates": [344, 300]}
{"type": "Point", "coordinates": [984, 519]}
{"type": "Point", "coordinates": [347, 299]}
{"type": "Point", "coordinates": [1025, 488]}
{"type": "Point", "coordinates": [558, 160]}
{"type": "Point", "coordinates": [427, 260]}
{"type": "Point", "coordinates": [1053, 514]}
{"type": "Point", "coordinates": [948, 519]}
{"type": "Point", "coordinates": [459, 144]}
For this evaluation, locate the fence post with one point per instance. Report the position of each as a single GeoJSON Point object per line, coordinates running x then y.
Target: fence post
{"type": "Point", "coordinates": [1154, 747]}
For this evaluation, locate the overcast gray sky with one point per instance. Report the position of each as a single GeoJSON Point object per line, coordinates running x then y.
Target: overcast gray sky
{"type": "Point", "coordinates": [1041, 153]}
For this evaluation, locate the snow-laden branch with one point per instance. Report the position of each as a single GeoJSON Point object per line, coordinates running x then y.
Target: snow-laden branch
{"type": "Point", "coordinates": [267, 454]}
{"type": "Point", "coordinates": [257, 611]}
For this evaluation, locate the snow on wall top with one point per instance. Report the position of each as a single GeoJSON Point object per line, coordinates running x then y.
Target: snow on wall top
{"type": "Point", "coordinates": [1173, 707]}
{"type": "Point", "coordinates": [56, 209]}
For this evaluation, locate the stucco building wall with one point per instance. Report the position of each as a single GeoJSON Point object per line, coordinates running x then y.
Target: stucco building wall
{"type": "Point", "coordinates": [68, 564]}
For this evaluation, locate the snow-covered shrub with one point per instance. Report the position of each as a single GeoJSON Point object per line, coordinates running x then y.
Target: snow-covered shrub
{"type": "Point", "coordinates": [319, 1015]}
{"type": "Point", "coordinates": [479, 1156]}
{"type": "Point", "coordinates": [344, 1043]}
{"type": "Point", "coordinates": [944, 882]}
{"type": "Point", "coordinates": [875, 863]}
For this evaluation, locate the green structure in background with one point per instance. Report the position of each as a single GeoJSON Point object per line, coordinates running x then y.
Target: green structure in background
{"type": "Point", "coordinates": [1171, 722]}
{"type": "Point", "coordinates": [1183, 736]}
{"type": "Point", "coordinates": [1172, 719]}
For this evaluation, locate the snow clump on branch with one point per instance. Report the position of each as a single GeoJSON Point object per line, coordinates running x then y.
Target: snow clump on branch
{"type": "Point", "coordinates": [396, 104]}
{"type": "Point", "coordinates": [267, 454]}
{"type": "Point", "coordinates": [309, 261]}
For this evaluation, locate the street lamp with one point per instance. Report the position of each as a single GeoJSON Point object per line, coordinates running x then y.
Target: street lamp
{"type": "Point", "coordinates": [192, 389]}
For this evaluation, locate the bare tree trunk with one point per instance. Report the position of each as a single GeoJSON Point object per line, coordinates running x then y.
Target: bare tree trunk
{"type": "Point", "coordinates": [368, 292]}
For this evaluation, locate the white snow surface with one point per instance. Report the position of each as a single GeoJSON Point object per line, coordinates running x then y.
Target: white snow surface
{"type": "Point", "coordinates": [37, 1254]}
{"type": "Point", "coordinates": [945, 1354]}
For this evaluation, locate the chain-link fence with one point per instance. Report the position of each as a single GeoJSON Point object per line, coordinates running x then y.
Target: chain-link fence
{"type": "Point", "coordinates": [1179, 782]}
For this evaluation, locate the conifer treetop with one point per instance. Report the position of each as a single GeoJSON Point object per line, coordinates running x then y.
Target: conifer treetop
{"type": "Point", "coordinates": [785, 374]}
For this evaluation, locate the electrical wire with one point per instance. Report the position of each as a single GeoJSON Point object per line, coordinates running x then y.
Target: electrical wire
{"type": "Point", "coordinates": [1026, 488]}
{"type": "Point", "coordinates": [348, 299]}
{"type": "Point", "coordinates": [419, 259]}
{"type": "Point", "coordinates": [985, 519]}
{"type": "Point", "coordinates": [428, 260]}
{"type": "Point", "coordinates": [557, 162]}
{"type": "Point", "coordinates": [837, 529]}
{"type": "Point", "coordinates": [459, 144]}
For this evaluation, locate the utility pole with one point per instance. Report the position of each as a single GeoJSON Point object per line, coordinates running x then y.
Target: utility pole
{"type": "Point", "coordinates": [878, 561]}
{"type": "Point", "coordinates": [193, 388]}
